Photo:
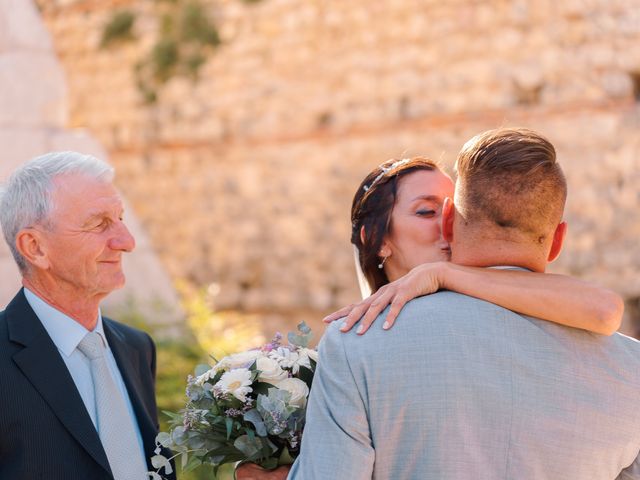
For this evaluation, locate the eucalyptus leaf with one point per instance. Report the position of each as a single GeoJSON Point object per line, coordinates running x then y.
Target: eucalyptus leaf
{"type": "Point", "coordinates": [154, 476]}
{"type": "Point", "coordinates": [201, 369]}
{"type": "Point", "coordinates": [160, 461]}
{"type": "Point", "coordinates": [247, 445]}
{"type": "Point", "coordinates": [301, 339]}
{"type": "Point", "coordinates": [253, 417]}
{"type": "Point", "coordinates": [304, 328]}
{"type": "Point", "coordinates": [229, 424]}
{"type": "Point", "coordinates": [164, 439]}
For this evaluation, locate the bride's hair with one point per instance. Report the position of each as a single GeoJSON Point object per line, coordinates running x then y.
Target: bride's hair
{"type": "Point", "coordinates": [371, 212]}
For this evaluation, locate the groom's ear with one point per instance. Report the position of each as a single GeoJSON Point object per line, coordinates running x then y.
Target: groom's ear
{"type": "Point", "coordinates": [558, 239]}
{"type": "Point", "coordinates": [448, 214]}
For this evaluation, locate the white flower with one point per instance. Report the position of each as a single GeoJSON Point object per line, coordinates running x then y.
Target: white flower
{"type": "Point", "coordinates": [298, 390]}
{"type": "Point", "coordinates": [239, 360]}
{"type": "Point", "coordinates": [270, 371]}
{"type": "Point", "coordinates": [236, 382]}
{"type": "Point", "coordinates": [294, 360]}
{"type": "Point", "coordinates": [285, 358]}
{"type": "Point", "coordinates": [208, 375]}
{"type": "Point", "coordinates": [306, 354]}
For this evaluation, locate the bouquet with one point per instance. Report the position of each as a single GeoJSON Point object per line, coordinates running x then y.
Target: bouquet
{"type": "Point", "coordinates": [248, 407]}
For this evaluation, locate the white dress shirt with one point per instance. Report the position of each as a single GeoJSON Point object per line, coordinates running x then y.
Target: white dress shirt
{"type": "Point", "coordinates": [66, 334]}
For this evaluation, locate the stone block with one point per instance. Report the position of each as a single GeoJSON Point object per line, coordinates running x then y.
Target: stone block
{"type": "Point", "coordinates": [21, 28]}
{"type": "Point", "coordinates": [19, 145]}
{"type": "Point", "coordinates": [32, 90]}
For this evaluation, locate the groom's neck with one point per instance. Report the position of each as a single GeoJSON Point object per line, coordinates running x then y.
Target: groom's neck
{"type": "Point", "coordinates": [493, 253]}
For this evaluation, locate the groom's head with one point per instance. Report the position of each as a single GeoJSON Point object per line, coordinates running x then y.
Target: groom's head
{"type": "Point", "coordinates": [509, 201]}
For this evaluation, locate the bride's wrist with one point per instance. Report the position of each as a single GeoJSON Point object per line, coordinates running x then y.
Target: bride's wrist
{"type": "Point", "coordinates": [444, 274]}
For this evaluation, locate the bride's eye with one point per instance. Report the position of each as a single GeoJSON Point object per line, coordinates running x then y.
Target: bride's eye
{"type": "Point", "coordinates": [426, 213]}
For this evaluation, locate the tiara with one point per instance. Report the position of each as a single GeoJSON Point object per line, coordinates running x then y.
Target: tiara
{"type": "Point", "coordinates": [393, 166]}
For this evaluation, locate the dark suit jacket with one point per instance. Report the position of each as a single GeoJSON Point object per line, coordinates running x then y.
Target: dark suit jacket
{"type": "Point", "coordinates": [45, 429]}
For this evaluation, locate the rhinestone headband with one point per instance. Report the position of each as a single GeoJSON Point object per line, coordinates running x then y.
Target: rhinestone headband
{"type": "Point", "coordinates": [393, 166]}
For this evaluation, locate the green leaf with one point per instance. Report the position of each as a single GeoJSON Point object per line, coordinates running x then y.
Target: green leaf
{"type": "Point", "coordinates": [306, 375]}
{"type": "Point", "coordinates": [261, 388]}
{"type": "Point", "coordinates": [160, 461]}
{"type": "Point", "coordinates": [192, 464]}
{"type": "Point", "coordinates": [229, 424]}
{"type": "Point", "coordinates": [202, 368]}
{"type": "Point", "coordinates": [270, 463]}
{"type": "Point", "coordinates": [250, 447]}
{"type": "Point", "coordinates": [304, 328]}
{"type": "Point", "coordinates": [303, 338]}
{"type": "Point", "coordinates": [253, 417]}
{"type": "Point", "coordinates": [164, 439]}
{"type": "Point", "coordinates": [285, 457]}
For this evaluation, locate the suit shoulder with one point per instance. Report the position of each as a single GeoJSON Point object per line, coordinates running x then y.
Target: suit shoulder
{"type": "Point", "coordinates": [629, 345]}
{"type": "Point", "coordinates": [448, 303]}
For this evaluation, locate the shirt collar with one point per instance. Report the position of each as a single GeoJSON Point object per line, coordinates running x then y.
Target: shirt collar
{"type": "Point", "coordinates": [65, 332]}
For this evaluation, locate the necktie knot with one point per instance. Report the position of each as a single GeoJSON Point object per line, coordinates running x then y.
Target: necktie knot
{"type": "Point", "coordinates": [91, 346]}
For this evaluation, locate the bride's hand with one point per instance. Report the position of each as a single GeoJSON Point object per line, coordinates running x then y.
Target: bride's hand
{"type": "Point", "coordinates": [422, 280]}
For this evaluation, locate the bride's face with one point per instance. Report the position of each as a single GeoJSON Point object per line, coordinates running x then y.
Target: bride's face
{"type": "Point", "coordinates": [415, 234]}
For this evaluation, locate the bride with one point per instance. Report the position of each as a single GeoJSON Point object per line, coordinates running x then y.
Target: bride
{"type": "Point", "coordinates": [401, 254]}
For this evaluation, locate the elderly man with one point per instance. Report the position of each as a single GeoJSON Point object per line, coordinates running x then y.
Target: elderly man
{"type": "Point", "coordinates": [77, 388]}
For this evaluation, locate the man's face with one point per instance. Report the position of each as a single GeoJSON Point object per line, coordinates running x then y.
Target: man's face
{"type": "Point", "coordinates": [85, 238]}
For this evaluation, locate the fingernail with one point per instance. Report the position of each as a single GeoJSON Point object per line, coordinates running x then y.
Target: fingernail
{"type": "Point", "coordinates": [344, 327]}
{"type": "Point", "coordinates": [360, 329]}
{"type": "Point", "coordinates": [386, 325]}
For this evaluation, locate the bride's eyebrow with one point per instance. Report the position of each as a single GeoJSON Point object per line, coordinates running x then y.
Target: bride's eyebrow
{"type": "Point", "coordinates": [430, 198]}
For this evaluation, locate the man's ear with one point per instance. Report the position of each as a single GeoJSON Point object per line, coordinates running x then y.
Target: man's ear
{"type": "Point", "coordinates": [29, 245]}
{"type": "Point", "coordinates": [448, 214]}
{"type": "Point", "coordinates": [558, 241]}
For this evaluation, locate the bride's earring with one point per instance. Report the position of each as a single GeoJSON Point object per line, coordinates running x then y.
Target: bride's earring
{"type": "Point", "coordinates": [381, 264]}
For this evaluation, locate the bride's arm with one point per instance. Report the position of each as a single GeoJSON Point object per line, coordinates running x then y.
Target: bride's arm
{"type": "Point", "coordinates": [557, 298]}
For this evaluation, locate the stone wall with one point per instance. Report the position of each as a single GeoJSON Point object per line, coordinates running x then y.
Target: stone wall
{"type": "Point", "coordinates": [244, 179]}
{"type": "Point", "coordinates": [33, 117]}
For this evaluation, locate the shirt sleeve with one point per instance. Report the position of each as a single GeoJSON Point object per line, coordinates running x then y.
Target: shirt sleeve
{"type": "Point", "coordinates": [336, 442]}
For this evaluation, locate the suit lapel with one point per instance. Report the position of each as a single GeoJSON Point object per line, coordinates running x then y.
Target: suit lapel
{"type": "Point", "coordinates": [40, 361]}
{"type": "Point", "coordinates": [127, 359]}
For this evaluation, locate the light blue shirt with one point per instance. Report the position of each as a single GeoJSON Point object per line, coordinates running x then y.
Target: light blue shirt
{"type": "Point", "coordinates": [66, 334]}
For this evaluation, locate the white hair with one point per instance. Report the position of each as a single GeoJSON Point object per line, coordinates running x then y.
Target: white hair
{"type": "Point", "coordinates": [25, 200]}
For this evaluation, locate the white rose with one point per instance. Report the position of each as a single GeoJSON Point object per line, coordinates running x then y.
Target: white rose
{"type": "Point", "coordinates": [270, 371]}
{"type": "Point", "coordinates": [298, 390]}
{"type": "Point", "coordinates": [242, 359]}
{"type": "Point", "coordinates": [236, 382]}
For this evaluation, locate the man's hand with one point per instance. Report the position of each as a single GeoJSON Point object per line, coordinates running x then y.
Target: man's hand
{"type": "Point", "coordinates": [251, 471]}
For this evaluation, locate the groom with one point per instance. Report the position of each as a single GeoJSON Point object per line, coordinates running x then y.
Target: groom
{"type": "Point", "coordinates": [461, 388]}
{"type": "Point", "coordinates": [76, 389]}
